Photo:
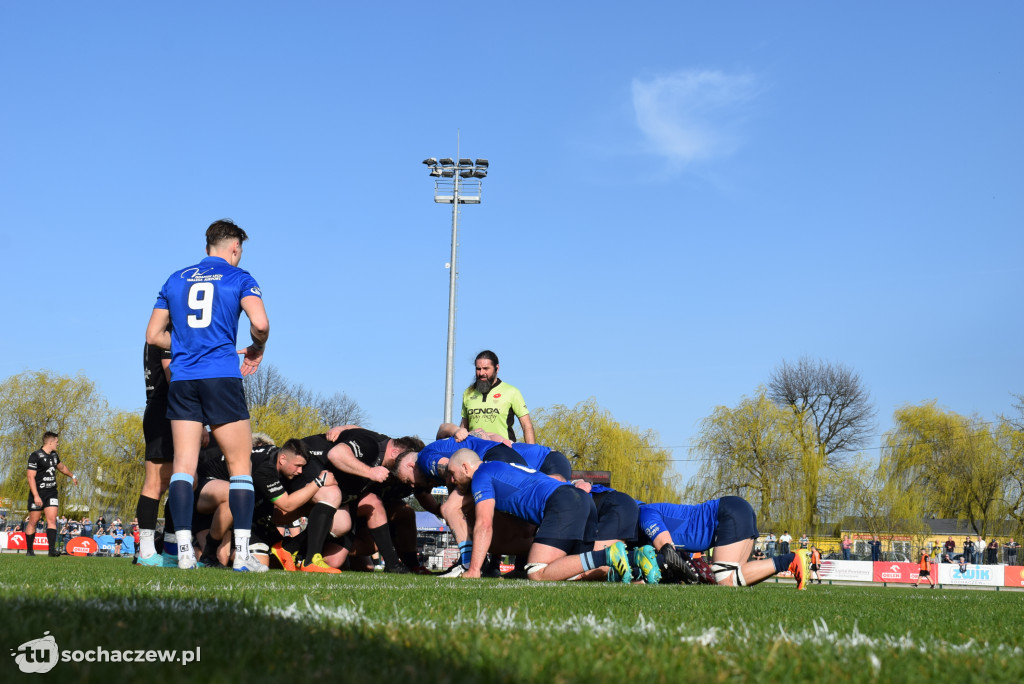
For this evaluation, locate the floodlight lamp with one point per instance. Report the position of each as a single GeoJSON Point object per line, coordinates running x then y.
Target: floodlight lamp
{"type": "Point", "coordinates": [481, 163]}
{"type": "Point", "coordinates": [466, 173]}
{"type": "Point", "coordinates": [447, 173]}
{"type": "Point", "coordinates": [480, 173]}
{"type": "Point", "coordinates": [430, 162]}
{"type": "Point", "coordinates": [435, 171]}
{"type": "Point", "coordinates": [465, 162]}
{"type": "Point", "coordinates": [447, 161]}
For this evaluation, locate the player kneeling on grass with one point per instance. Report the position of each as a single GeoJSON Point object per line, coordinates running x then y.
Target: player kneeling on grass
{"type": "Point", "coordinates": [566, 519]}
{"type": "Point", "coordinates": [728, 526]}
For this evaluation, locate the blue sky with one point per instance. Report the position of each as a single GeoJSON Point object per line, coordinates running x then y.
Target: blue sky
{"type": "Point", "coordinates": [681, 196]}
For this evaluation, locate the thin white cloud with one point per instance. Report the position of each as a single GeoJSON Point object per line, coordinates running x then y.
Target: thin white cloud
{"type": "Point", "coordinates": [693, 115]}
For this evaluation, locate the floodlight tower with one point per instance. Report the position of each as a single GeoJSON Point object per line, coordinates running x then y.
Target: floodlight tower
{"type": "Point", "coordinates": [457, 181]}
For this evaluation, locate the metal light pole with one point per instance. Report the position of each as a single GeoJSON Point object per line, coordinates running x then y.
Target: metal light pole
{"type": "Point", "coordinates": [458, 182]}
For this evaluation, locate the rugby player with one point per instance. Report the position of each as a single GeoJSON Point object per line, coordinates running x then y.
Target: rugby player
{"type": "Point", "coordinates": [360, 461]}
{"type": "Point", "coordinates": [272, 503]}
{"type": "Point", "coordinates": [43, 465]}
{"type": "Point", "coordinates": [566, 520]}
{"type": "Point", "coordinates": [196, 316]}
{"type": "Point", "coordinates": [428, 468]}
{"type": "Point", "coordinates": [729, 527]}
{"type": "Point", "coordinates": [618, 515]}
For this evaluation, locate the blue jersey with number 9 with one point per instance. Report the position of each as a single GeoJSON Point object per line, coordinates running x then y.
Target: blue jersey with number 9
{"type": "Point", "coordinates": [204, 302]}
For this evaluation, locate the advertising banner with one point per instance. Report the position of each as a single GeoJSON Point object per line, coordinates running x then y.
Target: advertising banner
{"type": "Point", "coordinates": [106, 541]}
{"type": "Point", "coordinates": [852, 571]}
{"type": "Point", "coordinates": [973, 575]}
{"type": "Point", "coordinates": [81, 546]}
{"type": "Point", "coordinates": [905, 573]}
{"type": "Point", "coordinates": [1013, 576]}
{"type": "Point", "coordinates": [19, 542]}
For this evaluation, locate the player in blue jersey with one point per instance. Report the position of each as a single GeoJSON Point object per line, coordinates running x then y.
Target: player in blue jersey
{"type": "Point", "coordinates": [565, 517]}
{"type": "Point", "coordinates": [541, 458]}
{"type": "Point", "coordinates": [728, 526]}
{"type": "Point", "coordinates": [196, 317]}
{"type": "Point", "coordinates": [429, 468]}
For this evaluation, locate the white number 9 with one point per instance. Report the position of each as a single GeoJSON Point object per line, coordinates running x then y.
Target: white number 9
{"type": "Point", "coordinates": [200, 298]}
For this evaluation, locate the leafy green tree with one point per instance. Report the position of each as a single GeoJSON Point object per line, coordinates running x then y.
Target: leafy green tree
{"type": "Point", "coordinates": [957, 466]}
{"type": "Point", "coordinates": [750, 451]}
{"type": "Point", "coordinates": [592, 439]}
{"type": "Point", "coordinates": [34, 402]}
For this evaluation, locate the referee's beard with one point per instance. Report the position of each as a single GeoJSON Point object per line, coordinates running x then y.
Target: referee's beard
{"type": "Point", "coordinates": [483, 385]}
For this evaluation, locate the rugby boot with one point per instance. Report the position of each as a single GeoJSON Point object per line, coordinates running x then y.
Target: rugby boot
{"type": "Point", "coordinates": [646, 560]}
{"type": "Point", "coordinates": [618, 560]}
{"type": "Point", "coordinates": [318, 564]}
{"type": "Point", "coordinates": [248, 564]}
{"type": "Point", "coordinates": [155, 561]}
{"type": "Point", "coordinates": [799, 569]}
{"type": "Point", "coordinates": [455, 571]}
{"type": "Point", "coordinates": [283, 557]}
{"type": "Point", "coordinates": [397, 569]}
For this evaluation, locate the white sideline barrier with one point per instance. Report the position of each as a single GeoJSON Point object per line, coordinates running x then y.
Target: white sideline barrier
{"type": "Point", "coordinates": [851, 571]}
{"type": "Point", "coordinates": [975, 575]}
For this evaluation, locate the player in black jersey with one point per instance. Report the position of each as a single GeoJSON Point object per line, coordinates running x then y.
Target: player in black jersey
{"type": "Point", "coordinates": [273, 504]}
{"type": "Point", "coordinates": [159, 459]}
{"type": "Point", "coordinates": [360, 461]}
{"type": "Point", "coordinates": [43, 465]}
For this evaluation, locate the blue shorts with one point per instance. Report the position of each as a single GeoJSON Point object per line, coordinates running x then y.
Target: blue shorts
{"type": "Point", "coordinates": [617, 516]}
{"type": "Point", "coordinates": [212, 401]}
{"type": "Point", "coordinates": [556, 463]}
{"type": "Point", "coordinates": [505, 454]}
{"type": "Point", "coordinates": [736, 521]}
{"type": "Point", "coordinates": [569, 522]}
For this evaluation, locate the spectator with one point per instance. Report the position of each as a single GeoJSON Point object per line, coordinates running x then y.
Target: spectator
{"type": "Point", "coordinates": [759, 555]}
{"type": "Point", "coordinates": [769, 545]}
{"type": "Point", "coordinates": [804, 541]}
{"type": "Point", "coordinates": [968, 551]}
{"type": "Point", "coordinates": [846, 547]}
{"type": "Point", "coordinates": [1011, 551]}
{"type": "Point", "coordinates": [993, 552]}
{"type": "Point", "coordinates": [979, 551]}
{"type": "Point", "coordinates": [86, 526]}
{"type": "Point", "coordinates": [876, 549]}
{"type": "Point", "coordinates": [784, 541]}
{"type": "Point", "coordinates": [950, 547]}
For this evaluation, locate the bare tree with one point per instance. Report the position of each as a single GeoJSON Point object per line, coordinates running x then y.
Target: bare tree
{"type": "Point", "coordinates": [269, 386]}
{"type": "Point", "coordinates": [831, 396]}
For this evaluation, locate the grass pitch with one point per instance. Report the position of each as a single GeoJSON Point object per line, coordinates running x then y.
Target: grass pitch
{"type": "Point", "coordinates": [409, 629]}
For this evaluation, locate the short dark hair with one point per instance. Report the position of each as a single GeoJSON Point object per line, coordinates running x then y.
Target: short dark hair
{"type": "Point", "coordinates": [296, 447]}
{"type": "Point", "coordinates": [48, 435]}
{"type": "Point", "coordinates": [406, 444]}
{"type": "Point", "coordinates": [224, 229]}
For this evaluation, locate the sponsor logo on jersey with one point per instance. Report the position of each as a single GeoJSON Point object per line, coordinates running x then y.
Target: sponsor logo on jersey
{"type": "Point", "coordinates": [483, 411]}
{"type": "Point", "coordinates": [194, 275]}
{"type": "Point", "coordinates": [496, 396]}
{"type": "Point", "coordinates": [256, 291]}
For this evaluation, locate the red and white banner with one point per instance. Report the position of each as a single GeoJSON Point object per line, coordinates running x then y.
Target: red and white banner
{"type": "Point", "coordinates": [1013, 576]}
{"type": "Point", "coordinates": [905, 573]}
{"type": "Point", "coordinates": [973, 575]}
{"type": "Point", "coordinates": [851, 571]}
{"type": "Point", "coordinates": [17, 541]}
{"type": "Point", "coordinates": [81, 546]}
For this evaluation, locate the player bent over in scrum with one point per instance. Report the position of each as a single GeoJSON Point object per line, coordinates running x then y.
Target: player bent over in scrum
{"type": "Point", "coordinates": [729, 527]}
{"type": "Point", "coordinates": [565, 517]}
{"type": "Point", "coordinates": [269, 466]}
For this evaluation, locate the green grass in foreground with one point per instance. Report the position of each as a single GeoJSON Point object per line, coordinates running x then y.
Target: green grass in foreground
{"type": "Point", "coordinates": [376, 628]}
